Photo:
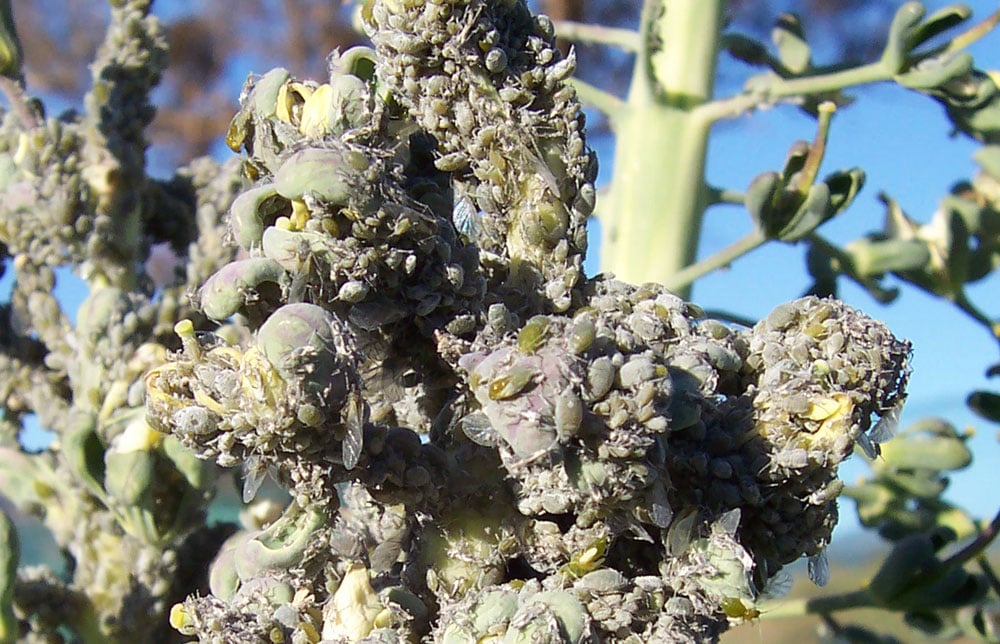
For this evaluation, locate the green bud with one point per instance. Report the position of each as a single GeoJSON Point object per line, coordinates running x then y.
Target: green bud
{"type": "Point", "coordinates": [237, 284]}
{"type": "Point", "coordinates": [280, 546]}
{"type": "Point", "coordinates": [263, 101]}
{"type": "Point", "coordinates": [253, 211]}
{"type": "Point", "coordinates": [320, 172]}
{"type": "Point", "coordinates": [300, 342]}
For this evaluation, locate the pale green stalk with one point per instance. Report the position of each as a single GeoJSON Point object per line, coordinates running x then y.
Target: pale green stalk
{"type": "Point", "coordinates": [652, 214]}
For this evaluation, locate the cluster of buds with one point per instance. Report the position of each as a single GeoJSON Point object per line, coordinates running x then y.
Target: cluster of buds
{"type": "Point", "coordinates": [478, 442]}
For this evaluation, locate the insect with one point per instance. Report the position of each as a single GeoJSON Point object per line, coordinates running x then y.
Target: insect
{"type": "Point", "coordinates": [466, 217]}
{"type": "Point", "coordinates": [354, 431]}
{"type": "Point", "coordinates": [254, 472]}
{"type": "Point", "coordinates": [882, 432]}
{"type": "Point", "coordinates": [819, 568]}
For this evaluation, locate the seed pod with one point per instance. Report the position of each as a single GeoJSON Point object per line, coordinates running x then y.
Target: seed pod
{"type": "Point", "coordinates": [300, 342]}
{"type": "Point", "coordinates": [237, 284]}
{"type": "Point", "coordinates": [252, 211]}
{"type": "Point", "coordinates": [280, 546]}
{"type": "Point", "coordinates": [319, 172]}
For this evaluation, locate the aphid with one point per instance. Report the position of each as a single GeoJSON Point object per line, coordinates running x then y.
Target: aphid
{"type": "Point", "coordinates": [254, 472]}
{"type": "Point", "coordinates": [511, 383]}
{"type": "Point", "coordinates": [583, 334]}
{"type": "Point", "coordinates": [466, 218]}
{"type": "Point", "coordinates": [736, 608]}
{"type": "Point", "coordinates": [354, 431]}
{"type": "Point", "coordinates": [532, 334]}
{"type": "Point", "coordinates": [819, 568]}
{"type": "Point", "coordinates": [568, 413]}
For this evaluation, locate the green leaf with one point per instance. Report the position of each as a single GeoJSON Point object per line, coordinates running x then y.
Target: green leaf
{"type": "Point", "coordinates": [844, 187]}
{"type": "Point", "coordinates": [988, 157]}
{"type": "Point", "coordinates": [745, 49]}
{"type": "Point", "coordinates": [810, 215]}
{"type": "Point", "coordinates": [937, 452]}
{"type": "Point", "coordinates": [939, 22]}
{"type": "Point", "coordinates": [932, 73]}
{"type": "Point", "coordinates": [897, 47]}
{"type": "Point", "coordinates": [880, 256]}
{"type": "Point", "coordinates": [986, 404]}
{"type": "Point", "coordinates": [793, 50]}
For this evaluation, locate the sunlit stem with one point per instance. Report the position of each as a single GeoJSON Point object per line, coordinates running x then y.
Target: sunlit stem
{"type": "Point", "coordinates": [683, 278]}
{"type": "Point", "coordinates": [625, 39]}
{"type": "Point", "coordinates": [652, 214]}
{"type": "Point", "coordinates": [816, 605]}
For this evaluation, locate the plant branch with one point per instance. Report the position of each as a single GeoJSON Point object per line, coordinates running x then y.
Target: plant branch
{"type": "Point", "coordinates": [684, 278]}
{"type": "Point", "coordinates": [772, 88]}
{"type": "Point", "coordinates": [605, 102]}
{"type": "Point", "coordinates": [976, 546]}
{"type": "Point", "coordinates": [624, 39]}
{"type": "Point", "coordinates": [724, 196]}
{"type": "Point", "coordinates": [816, 605]}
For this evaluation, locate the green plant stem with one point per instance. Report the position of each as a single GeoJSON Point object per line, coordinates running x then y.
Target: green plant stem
{"type": "Point", "coordinates": [816, 605]}
{"type": "Point", "coordinates": [652, 215]}
{"type": "Point", "coordinates": [964, 304]}
{"type": "Point", "coordinates": [773, 88]}
{"type": "Point", "coordinates": [725, 196]}
{"type": "Point", "coordinates": [976, 547]}
{"type": "Point", "coordinates": [606, 102]}
{"type": "Point", "coordinates": [625, 39]}
{"type": "Point", "coordinates": [683, 278]}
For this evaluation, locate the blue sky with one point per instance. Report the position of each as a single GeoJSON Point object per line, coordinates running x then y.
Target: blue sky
{"type": "Point", "coordinates": [902, 140]}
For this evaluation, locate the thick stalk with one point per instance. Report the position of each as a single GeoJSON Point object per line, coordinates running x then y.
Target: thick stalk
{"type": "Point", "coordinates": [653, 211]}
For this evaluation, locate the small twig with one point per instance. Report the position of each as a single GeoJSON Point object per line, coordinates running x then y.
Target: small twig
{"type": "Point", "coordinates": [685, 277]}
{"type": "Point", "coordinates": [605, 102]}
{"type": "Point", "coordinates": [989, 573]}
{"type": "Point", "coordinates": [974, 33]}
{"type": "Point", "coordinates": [777, 88]}
{"type": "Point", "coordinates": [724, 196]}
{"type": "Point", "coordinates": [976, 546]}
{"type": "Point", "coordinates": [816, 605]}
{"type": "Point", "coordinates": [965, 305]}
{"type": "Point", "coordinates": [625, 39]}
{"type": "Point", "coordinates": [17, 98]}
{"type": "Point", "coordinates": [727, 316]}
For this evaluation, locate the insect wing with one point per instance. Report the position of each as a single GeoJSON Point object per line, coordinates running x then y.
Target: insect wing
{"type": "Point", "coordinates": [479, 430]}
{"type": "Point", "coordinates": [354, 432]}
{"type": "Point", "coordinates": [887, 425]}
{"type": "Point", "coordinates": [819, 568]}
{"type": "Point", "coordinates": [777, 586]}
{"type": "Point", "coordinates": [254, 472]}
{"type": "Point", "coordinates": [466, 218]}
